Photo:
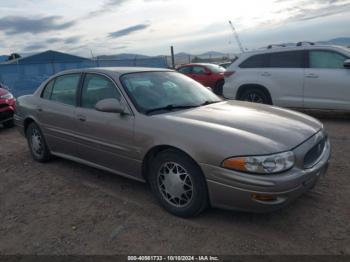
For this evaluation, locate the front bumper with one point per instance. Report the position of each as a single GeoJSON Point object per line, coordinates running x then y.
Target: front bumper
{"type": "Point", "coordinates": [230, 189]}
{"type": "Point", "coordinates": [6, 116]}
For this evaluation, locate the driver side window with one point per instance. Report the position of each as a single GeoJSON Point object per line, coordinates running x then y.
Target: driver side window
{"type": "Point", "coordinates": [326, 59]}
{"type": "Point", "coordinates": [97, 88]}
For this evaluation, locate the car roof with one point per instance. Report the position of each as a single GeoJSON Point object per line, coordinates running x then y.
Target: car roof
{"type": "Point", "coordinates": [291, 48]}
{"type": "Point", "coordinates": [198, 64]}
{"type": "Point", "coordinates": [115, 70]}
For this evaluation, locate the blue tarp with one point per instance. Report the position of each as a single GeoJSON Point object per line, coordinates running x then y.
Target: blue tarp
{"type": "Point", "coordinates": [24, 79]}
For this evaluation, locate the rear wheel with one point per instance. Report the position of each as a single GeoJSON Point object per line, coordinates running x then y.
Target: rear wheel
{"type": "Point", "coordinates": [255, 95]}
{"type": "Point", "coordinates": [178, 184]}
{"type": "Point", "coordinates": [219, 87]}
{"type": "Point", "coordinates": [37, 143]}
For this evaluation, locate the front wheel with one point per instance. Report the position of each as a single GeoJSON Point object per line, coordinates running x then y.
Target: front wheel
{"type": "Point", "coordinates": [255, 95]}
{"type": "Point", "coordinates": [178, 184]}
{"type": "Point", "coordinates": [37, 143]}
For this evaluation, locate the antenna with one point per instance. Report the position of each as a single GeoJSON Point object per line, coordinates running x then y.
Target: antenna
{"type": "Point", "coordinates": [92, 55]}
{"type": "Point", "coordinates": [237, 37]}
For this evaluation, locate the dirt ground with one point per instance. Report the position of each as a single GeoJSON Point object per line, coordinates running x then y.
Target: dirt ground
{"type": "Point", "coordinates": [62, 207]}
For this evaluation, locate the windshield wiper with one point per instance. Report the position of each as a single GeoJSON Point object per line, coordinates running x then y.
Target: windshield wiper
{"type": "Point", "coordinates": [208, 103]}
{"type": "Point", "coordinates": [169, 108]}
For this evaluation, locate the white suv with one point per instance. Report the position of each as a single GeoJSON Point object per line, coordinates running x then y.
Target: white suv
{"type": "Point", "coordinates": [304, 76]}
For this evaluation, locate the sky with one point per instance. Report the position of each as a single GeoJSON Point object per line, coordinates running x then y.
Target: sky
{"type": "Point", "coordinates": [150, 27]}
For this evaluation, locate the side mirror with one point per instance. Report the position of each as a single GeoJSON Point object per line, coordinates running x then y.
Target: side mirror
{"type": "Point", "coordinates": [208, 73]}
{"type": "Point", "coordinates": [211, 89]}
{"type": "Point", "coordinates": [347, 63]}
{"type": "Point", "coordinates": [110, 105]}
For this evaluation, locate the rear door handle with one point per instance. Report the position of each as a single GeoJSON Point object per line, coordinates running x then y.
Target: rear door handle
{"type": "Point", "coordinates": [39, 109]}
{"type": "Point", "coordinates": [81, 118]}
{"type": "Point", "coordinates": [311, 76]}
{"type": "Point", "coordinates": [265, 74]}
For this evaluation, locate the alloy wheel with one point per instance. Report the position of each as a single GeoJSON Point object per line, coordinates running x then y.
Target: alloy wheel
{"type": "Point", "coordinates": [254, 97]}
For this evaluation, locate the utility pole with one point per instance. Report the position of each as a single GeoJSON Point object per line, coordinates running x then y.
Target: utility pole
{"type": "Point", "coordinates": [237, 37]}
{"type": "Point", "coordinates": [172, 57]}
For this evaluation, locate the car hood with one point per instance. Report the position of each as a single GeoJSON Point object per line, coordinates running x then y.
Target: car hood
{"type": "Point", "coordinates": [275, 129]}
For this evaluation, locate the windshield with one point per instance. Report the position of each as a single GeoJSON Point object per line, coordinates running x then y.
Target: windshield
{"type": "Point", "coordinates": [168, 90]}
{"type": "Point", "coordinates": [347, 50]}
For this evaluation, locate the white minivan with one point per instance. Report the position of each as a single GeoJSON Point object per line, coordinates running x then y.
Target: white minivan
{"type": "Point", "coordinates": [303, 76]}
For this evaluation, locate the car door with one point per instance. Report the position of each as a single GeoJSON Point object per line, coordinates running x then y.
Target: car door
{"type": "Point", "coordinates": [327, 81]}
{"type": "Point", "coordinates": [56, 113]}
{"type": "Point", "coordinates": [107, 139]}
{"type": "Point", "coordinates": [283, 76]}
{"type": "Point", "coordinates": [200, 74]}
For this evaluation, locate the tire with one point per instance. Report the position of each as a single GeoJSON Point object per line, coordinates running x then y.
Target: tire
{"type": "Point", "coordinates": [219, 87]}
{"type": "Point", "coordinates": [178, 184]}
{"type": "Point", "coordinates": [255, 95]}
{"type": "Point", "coordinates": [37, 144]}
{"type": "Point", "coordinates": [9, 124]}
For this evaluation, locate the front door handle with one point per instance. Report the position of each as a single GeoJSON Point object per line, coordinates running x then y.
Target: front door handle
{"type": "Point", "coordinates": [81, 118]}
{"type": "Point", "coordinates": [265, 74]}
{"type": "Point", "coordinates": [311, 75]}
{"type": "Point", "coordinates": [39, 109]}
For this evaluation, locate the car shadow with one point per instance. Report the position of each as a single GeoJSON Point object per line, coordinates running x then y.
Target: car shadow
{"type": "Point", "coordinates": [5, 129]}
{"type": "Point", "coordinates": [139, 194]}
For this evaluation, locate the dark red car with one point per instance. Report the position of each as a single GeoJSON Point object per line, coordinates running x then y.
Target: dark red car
{"type": "Point", "coordinates": [7, 107]}
{"type": "Point", "coordinates": [209, 75]}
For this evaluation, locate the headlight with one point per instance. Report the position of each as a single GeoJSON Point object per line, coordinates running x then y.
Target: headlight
{"type": "Point", "coordinates": [261, 164]}
{"type": "Point", "coordinates": [7, 96]}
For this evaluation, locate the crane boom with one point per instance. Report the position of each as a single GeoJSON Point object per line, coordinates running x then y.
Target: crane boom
{"type": "Point", "coordinates": [237, 37]}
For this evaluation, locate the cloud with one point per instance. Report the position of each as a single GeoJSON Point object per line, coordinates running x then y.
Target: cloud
{"type": "Point", "coordinates": [313, 1]}
{"type": "Point", "coordinates": [305, 10]}
{"type": "Point", "coordinates": [119, 47]}
{"type": "Point", "coordinates": [310, 13]}
{"type": "Point", "coordinates": [72, 40]}
{"type": "Point", "coordinates": [53, 40]}
{"type": "Point", "coordinates": [68, 40]}
{"type": "Point", "coordinates": [35, 46]}
{"type": "Point", "coordinates": [107, 7]}
{"type": "Point", "coordinates": [18, 25]}
{"type": "Point", "coordinates": [128, 30]}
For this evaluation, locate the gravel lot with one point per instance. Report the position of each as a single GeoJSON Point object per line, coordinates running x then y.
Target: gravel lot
{"type": "Point", "coordinates": [66, 208]}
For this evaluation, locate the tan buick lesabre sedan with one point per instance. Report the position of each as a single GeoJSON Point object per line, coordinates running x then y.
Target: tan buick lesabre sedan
{"type": "Point", "coordinates": [161, 127]}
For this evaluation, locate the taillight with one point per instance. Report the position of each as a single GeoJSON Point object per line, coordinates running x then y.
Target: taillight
{"type": "Point", "coordinates": [228, 73]}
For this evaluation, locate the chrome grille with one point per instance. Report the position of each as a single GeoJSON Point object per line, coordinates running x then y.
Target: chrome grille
{"type": "Point", "coordinates": [314, 154]}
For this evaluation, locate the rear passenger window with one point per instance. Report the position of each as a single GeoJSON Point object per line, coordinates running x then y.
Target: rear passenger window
{"type": "Point", "coordinates": [65, 89]}
{"type": "Point", "coordinates": [291, 59]}
{"type": "Point", "coordinates": [198, 70]}
{"type": "Point", "coordinates": [256, 61]}
{"type": "Point", "coordinates": [97, 88]}
{"type": "Point", "coordinates": [48, 90]}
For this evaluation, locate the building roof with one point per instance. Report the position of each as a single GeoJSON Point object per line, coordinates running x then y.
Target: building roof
{"type": "Point", "coordinates": [50, 56]}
